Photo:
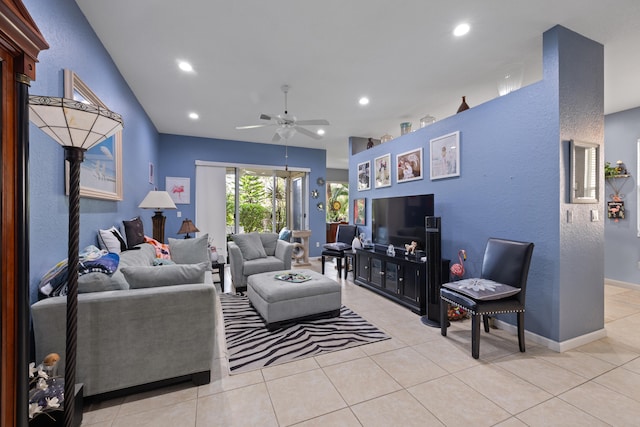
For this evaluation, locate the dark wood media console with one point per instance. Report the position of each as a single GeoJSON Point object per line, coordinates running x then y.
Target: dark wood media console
{"type": "Point", "coordinates": [400, 279]}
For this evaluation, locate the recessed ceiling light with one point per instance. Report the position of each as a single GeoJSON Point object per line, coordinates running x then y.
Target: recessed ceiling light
{"type": "Point", "coordinates": [194, 116]}
{"type": "Point", "coordinates": [461, 29]}
{"type": "Point", "coordinates": [363, 101]}
{"type": "Point", "coordinates": [185, 66]}
{"type": "Point", "coordinates": [320, 132]}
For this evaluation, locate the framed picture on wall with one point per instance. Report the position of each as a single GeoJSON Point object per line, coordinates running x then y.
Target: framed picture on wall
{"type": "Point", "coordinates": [179, 189]}
{"type": "Point", "coordinates": [444, 156]}
{"type": "Point", "coordinates": [101, 170]}
{"type": "Point", "coordinates": [359, 211]}
{"type": "Point", "coordinates": [409, 165]}
{"type": "Point", "coordinates": [383, 171]}
{"type": "Point", "coordinates": [364, 176]}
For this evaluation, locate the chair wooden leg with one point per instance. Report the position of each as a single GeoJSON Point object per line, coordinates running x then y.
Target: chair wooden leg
{"type": "Point", "coordinates": [444, 321]}
{"type": "Point", "coordinates": [339, 261]}
{"type": "Point", "coordinates": [521, 330]}
{"type": "Point", "coordinates": [323, 259]}
{"type": "Point", "coordinates": [475, 336]}
{"type": "Point", "coordinates": [485, 320]}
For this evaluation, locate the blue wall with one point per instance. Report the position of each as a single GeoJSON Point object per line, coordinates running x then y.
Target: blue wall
{"type": "Point", "coordinates": [179, 153]}
{"type": "Point", "coordinates": [512, 186]}
{"type": "Point", "coordinates": [622, 251]}
{"type": "Point", "coordinates": [74, 46]}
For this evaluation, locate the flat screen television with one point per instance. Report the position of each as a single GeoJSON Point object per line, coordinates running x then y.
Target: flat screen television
{"type": "Point", "coordinates": [400, 220]}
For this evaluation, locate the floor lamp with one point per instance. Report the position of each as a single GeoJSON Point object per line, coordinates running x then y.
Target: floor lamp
{"type": "Point", "coordinates": [158, 201]}
{"type": "Point", "coordinates": [77, 127]}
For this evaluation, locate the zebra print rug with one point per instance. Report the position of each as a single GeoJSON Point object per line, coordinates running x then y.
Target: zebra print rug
{"type": "Point", "coordinates": [251, 346]}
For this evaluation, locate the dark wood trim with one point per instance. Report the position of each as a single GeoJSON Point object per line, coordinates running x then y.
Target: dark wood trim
{"type": "Point", "coordinates": [20, 44]}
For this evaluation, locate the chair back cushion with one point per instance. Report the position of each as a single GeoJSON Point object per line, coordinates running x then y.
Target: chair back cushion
{"type": "Point", "coordinates": [269, 241]}
{"type": "Point", "coordinates": [507, 261]}
{"type": "Point", "coordinates": [346, 233]}
{"type": "Point", "coordinates": [250, 245]}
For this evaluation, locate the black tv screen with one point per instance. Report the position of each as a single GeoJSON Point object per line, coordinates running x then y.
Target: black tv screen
{"type": "Point", "coordinates": [400, 220]}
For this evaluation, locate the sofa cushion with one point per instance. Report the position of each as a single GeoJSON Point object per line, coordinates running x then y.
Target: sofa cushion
{"type": "Point", "coordinates": [134, 231]}
{"type": "Point", "coordinates": [100, 282]}
{"type": "Point", "coordinates": [261, 265]}
{"type": "Point", "coordinates": [250, 245]}
{"type": "Point", "coordinates": [269, 241]}
{"type": "Point", "coordinates": [165, 275]}
{"type": "Point", "coordinates": [189, 251]}
{"type": "Point", "coordinates": [111, 240]}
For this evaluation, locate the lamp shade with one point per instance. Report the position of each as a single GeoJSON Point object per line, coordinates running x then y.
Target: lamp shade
{"type": "Point", "coordinates": [157, 200]}
{"type": "Point", "coordinates": [187, 227]}
{"type": "Point", "coordinates": [72, 123]}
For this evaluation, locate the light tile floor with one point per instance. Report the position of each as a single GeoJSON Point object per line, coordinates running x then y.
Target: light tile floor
{"type": "Point", "coordinates": [416, 378]}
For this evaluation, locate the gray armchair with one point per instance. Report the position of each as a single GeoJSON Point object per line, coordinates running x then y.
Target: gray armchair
{"type": "Point", "coordinates": [253, 253]}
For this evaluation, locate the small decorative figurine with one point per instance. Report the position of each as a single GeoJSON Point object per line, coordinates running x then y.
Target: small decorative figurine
{"type": "Point", "coordinates": [411, 249]}
{"type": "Point", "coordinates": [391, 251]}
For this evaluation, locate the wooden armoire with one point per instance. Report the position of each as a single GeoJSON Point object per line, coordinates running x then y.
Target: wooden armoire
{"type": "Point", "coordinates": [20, 44]}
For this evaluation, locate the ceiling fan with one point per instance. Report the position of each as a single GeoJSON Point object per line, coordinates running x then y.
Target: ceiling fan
{"type": "Point", "coordinates": [287, 124]}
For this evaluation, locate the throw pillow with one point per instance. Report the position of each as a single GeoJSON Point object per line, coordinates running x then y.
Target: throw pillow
{"type": "Point", "coordinates": [134, 231]}
{"type": "Point", "coordinates": [166, 275]}
{"type": "Point", "coordinates": [285, 234]}
{"type": "Point", "coordinates": [482, 289]}
{"type": "Point", "coordinates": [250, 245]}
{"type": "Point", "coordinates": [189, 251]}
{"type": "Point", "coordinates": [162, 249]}
{"type": "Point", "coordinates": [269, 242]}
{"type": "Point", "coordinates": [111, 240]}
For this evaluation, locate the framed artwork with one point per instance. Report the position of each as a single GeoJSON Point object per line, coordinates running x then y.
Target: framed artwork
{"type": "Point", "coordinates": [359, 212]}
{"type": "Point", "coordinates": [364, 176]}
{"type": "Point", "coordinates": [101, 170]}
{"type": "Point", "coordinates": [444, 156]}
{"type": "Point", "coordinates": [179, 189]}
{"type": "Point", "coordinates": [409, 165]}
{"type": "Point", "coordinates": [383, 171]}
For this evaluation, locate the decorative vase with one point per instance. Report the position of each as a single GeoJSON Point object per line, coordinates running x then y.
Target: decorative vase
{"type": "Point", "coordinates": [356, 244]}
{"type": "Point", "coordinates": [464, 105]}
{"type": "Point", "coordinates": [426, 121]}
{"type": "Point", "coordinates": [385, 138]}
{"type": "Point", "coordinates": [405, 128]}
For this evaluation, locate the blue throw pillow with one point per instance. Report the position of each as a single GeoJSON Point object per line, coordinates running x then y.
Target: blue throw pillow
{"type": "Point", "coordinates": [285, 234]}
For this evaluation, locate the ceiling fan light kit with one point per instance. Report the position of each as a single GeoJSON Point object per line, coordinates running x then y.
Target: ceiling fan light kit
{"type": "Point", "coordinates": [287, 124]}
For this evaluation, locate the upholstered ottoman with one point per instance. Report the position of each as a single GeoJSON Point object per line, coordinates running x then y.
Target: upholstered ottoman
{"type": "Point", "coordinates": [279, 301]}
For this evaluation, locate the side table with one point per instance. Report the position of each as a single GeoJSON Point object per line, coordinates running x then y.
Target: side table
{"type": "Point", "coordinates": [218, 267]}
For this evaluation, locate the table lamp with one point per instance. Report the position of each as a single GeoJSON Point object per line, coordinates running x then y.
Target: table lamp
{"type": "Point", "coordinates": [158, 201]}
{"type": "Point", "coordinates": [187, 227]}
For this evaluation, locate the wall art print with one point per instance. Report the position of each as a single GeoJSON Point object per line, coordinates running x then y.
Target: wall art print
{"type": "Point", "coordinates": [179, 189]}
{"type": "Point", "coordinates": [364, 176]}
{"type": "Point", "coordinates": [383, 171]}
{"type": "Point", "coordinates": [409, 165]}
{"type": "Point", "coordinates": [359, 211]}
{"type": "Point", "coordinates": [444, 156]}
{"type": "Point", "coordinates": [101, 170]}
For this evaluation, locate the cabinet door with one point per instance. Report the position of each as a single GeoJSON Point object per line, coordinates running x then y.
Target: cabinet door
{"type": "Point", "coordinates": [377, 272]}
{"type": "Point", "coordinates": [392, 276]}
{"type": "Point", "coordinates": [410, 280]}
{"type": "Point", "coordinates": [362, 266]}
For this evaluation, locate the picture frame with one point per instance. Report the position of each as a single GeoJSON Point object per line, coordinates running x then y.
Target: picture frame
{"type": "Point", "coordinates": [409, 165]}
{"type": "Point", "coordinates": [364, 176]}
{"type": "Point", "coordinates": [444, 156]}
{"type": "Point", "coordinates": [382, 172]}
{"type": "Point", "coordinates": [359, 211]}
{"type": "Point", "coordinates": [179, 189]}
{"type": "Point", "coordinates": [101, 170]}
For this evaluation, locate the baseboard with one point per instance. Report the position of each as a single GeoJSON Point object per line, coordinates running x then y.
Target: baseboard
{"type": "Point", "coordinates": [560, 347]}
{"type": "Point", "coordinates": [620, 284]}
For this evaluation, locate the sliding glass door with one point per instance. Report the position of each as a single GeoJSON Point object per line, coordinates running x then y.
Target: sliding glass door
{"type": "Point", "coordinates": [262, 199]}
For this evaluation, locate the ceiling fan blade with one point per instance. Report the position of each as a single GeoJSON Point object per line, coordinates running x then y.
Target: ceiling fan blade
{"type": "Point", "coordinates": [276, 137]}
{"type": "Point", "coordinates": [253, 126]}
{"type": "Point", "coordinates": [313, 122]}
{"type": "Point", "coordinates": [307, 132]}
{"type": "Point", "coordinates": [268, 116]}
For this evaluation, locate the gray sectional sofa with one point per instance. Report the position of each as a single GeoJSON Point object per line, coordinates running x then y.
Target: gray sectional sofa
{"type": "Point", "coordinates": [253, 253]}
{"type": "Point", "coordinates": [141, 325]}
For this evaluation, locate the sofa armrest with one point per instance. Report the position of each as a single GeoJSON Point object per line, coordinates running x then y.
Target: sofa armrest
{"type": "Point", "coordinates": [284, 251]}
{"type": "Point", "coordinates": [236, 263]}
{"type": "Point", "coordinates": [132, 337]}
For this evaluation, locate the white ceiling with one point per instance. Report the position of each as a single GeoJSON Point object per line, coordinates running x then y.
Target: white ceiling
{"type": "Point", "coordinates": [401, 54]}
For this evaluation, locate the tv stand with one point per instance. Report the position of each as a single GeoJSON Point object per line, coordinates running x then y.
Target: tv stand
{"type": "Point", "coordinates": [402, 279]}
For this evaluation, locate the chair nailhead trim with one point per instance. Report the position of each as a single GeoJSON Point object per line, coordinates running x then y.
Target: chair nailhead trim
{"type": "Point", "coordinates": [484, 312]}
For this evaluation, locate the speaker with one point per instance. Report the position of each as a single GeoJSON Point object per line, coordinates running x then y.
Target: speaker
{"type": "Point", "coordinates": [433, 247]}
